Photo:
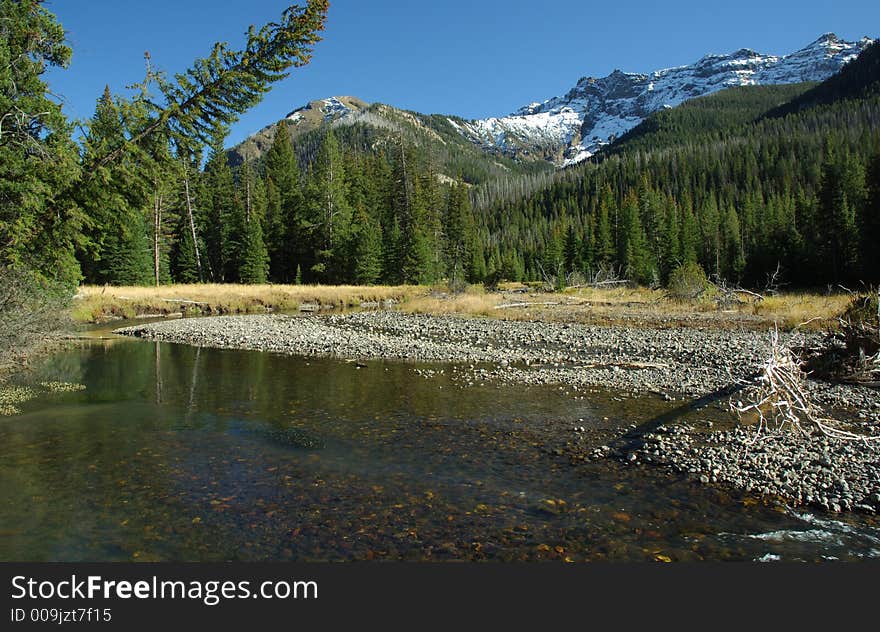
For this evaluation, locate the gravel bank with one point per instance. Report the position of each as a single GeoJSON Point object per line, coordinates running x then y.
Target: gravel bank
{"type": "Point", "coordinates": [829, 473]}
{"type": "Point", "coordinates": [684, 362]}
{"type": "Point", "coordinates": [687, 362]}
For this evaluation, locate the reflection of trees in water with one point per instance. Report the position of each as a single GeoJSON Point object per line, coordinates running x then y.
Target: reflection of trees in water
{"type": "Point", "coordinates": [158, 370]}
{"type": "Point", "coordinates": [193, 382]}
{"type": "Point", "coordinates": [61, 367]}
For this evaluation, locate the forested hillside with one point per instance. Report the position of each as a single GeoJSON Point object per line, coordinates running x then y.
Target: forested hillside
{"type": "Point", "coordinates": [743, 182]}
{"type": "Point", "coordinates": [715, 182]}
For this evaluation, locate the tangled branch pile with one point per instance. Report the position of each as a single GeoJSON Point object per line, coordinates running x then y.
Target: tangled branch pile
{"type": "Point", "coordinates": [779, 400]}
{"type": "Point", "coordinates": [851, 350]}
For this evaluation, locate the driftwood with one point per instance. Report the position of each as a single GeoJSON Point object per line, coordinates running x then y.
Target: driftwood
{"type": "Point", "coordinates": [757, 296]}
{"type": "Point", "coordinates": [167, 300]}
{"type": "Point", "coordinates": [610, 282]}
{"type": "Point", "coordinates": [727, 295]}
{"type": "Point", "coordinates": [511, 305]}
{"type": "Point", "coordinates": [779, 400]}
{"type": "Point", "coordinates": [851, 351]}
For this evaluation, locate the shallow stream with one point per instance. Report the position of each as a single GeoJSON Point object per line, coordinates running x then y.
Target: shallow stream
{"type": "Point", "coordinates": [178, 453]}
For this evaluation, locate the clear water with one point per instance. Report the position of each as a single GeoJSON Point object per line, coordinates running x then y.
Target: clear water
{"type": "Point", "coordinates": [185, 454]}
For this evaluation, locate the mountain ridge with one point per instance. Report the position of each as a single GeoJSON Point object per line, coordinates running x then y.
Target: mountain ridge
{"type": "Point", "coordinates": [599, 109]}
{"type": "Point", "coordinates": [568, 129]}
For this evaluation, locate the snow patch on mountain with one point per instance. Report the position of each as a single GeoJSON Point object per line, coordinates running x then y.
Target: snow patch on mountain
{"type": "Point", "coordinates": [571, 128]}
{"type": "Point", "coordinates": [334, 108]}
{"type": "Point", "coordinates": [331, 109]}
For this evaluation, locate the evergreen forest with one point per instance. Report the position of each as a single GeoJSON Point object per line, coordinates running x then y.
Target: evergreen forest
{"type": "Point", "coordinates": [745, 182]}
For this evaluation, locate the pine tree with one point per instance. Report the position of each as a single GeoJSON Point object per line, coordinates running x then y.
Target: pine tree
{"type": "Point", "coordinates": [572, 250]}
{"type": "Point", "coordinates": [837, 228]}
{"type": "Point", "coordinates": [409, 254]}
{"type": "Point", "coordinates": [217, 89]}
{"type": "Point", "coordinates": [154, 176]}
{"type": "Point", "coordinates": [284, 215]}
{"type": "Point", "coordinates": [366, 250]}
{"type": "Point", "coordinates": [670, 245]}
{"type": "Point", "coordinates": [689, 234]}
{"type": "Point", "coordinates": [127, 257]}
{"type": "Point", "coordinates": [477, 270]}
{"type": "Point", "coordinates": [635, 258]}
{"type": "Point", "coordinates": [588, 251]}
{"type": "Point", "coordinates": [187, 265]}
{"type": "Point", "coordinates": [219, 210]}
{"type": "Point", "coordinates": [431, 206]}
{"type": "Point", "coordinates": [554, 259]}
{"type": "Point", "coordinates": [459, 234]}
{"type": "Point", "coordinates": [734, 257]}
{"type": "Point", "coordinates": [116, 245]}
{"type": "Point", "coordinates": [253, 265]}
{"type": "Point", "coordinates": [329, 212]}
{"type": "Point", "coordinates": [710, 236]}
{"type": "Point", "coordinates": [183, 259]}
{"type": "Point", "coordinates": [41, 176]}
{"type": "Point", "coordinates": [39, 222]}
{"type": "Point", "coordinates": [871, 221]}
{"type": "Point", "coordinates": [604, 248]}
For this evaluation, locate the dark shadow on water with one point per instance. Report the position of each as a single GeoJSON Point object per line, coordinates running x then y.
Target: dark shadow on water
{"type": "Point", "coordinates": [634, 438]}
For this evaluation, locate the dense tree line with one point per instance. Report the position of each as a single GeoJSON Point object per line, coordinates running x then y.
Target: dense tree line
{"type": "Point", "coordinates": [733, 182]}
{"type": "Point", "coordinates": [712, 182]}
{"type": "Point", "coordinates": [116, 208]}
{"type": "Point", "coordinates": [717, 183]}
{"type": "Point", "coordinates": [344, 217]}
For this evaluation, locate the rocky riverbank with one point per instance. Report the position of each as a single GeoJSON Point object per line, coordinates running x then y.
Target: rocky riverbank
{"type": "Point", "coordinates": [673, 363]}
{"type": "Point", "coordinates": [833, 474]}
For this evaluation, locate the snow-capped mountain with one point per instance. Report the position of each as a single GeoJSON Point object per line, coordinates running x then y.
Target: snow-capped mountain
{"type": "Point", "coordinates": [573, 127]}
{"type": "Point", "coordinates": [327, 110]}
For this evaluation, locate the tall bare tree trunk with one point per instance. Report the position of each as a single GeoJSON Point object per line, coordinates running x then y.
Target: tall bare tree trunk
{"type": "Point", "coordinates": [247, 209]}
{"type": "Point", "coordinates": [157, 226]}
{"type": "Point", "coordinates": [192, 229]}
{"type": "Point", "coordinates": [330, 208]}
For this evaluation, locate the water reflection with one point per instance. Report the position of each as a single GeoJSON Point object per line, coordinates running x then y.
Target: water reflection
{"type": "Point", "coordinates": [180, 453]}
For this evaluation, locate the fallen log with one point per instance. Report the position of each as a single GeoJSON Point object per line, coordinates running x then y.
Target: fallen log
{"type": "Point", "coordinates": [167, 300]}
{"type": "Point", "coordinates": [511, 305]}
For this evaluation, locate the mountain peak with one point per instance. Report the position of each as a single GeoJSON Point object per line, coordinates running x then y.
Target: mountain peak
{"type": "Point", "coordinates": [330, 108]}
{"type": "Point", "coordinates": [830, 43]}
{"type": "Point", "coordinates": [598, 110]}
{"type": "Point", "coordinates": [828, 38]}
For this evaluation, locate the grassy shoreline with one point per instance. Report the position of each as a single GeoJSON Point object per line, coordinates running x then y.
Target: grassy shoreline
{"type": "Point", "coordinates": [96, 304]}
{"type": "Point", "coordinates": [513, 301]}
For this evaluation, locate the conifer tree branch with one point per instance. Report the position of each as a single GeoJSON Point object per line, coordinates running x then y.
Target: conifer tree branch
{"type": "Point", "coordinates": [226, 84]}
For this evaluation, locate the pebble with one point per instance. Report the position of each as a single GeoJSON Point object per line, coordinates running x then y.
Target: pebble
{"type": "Point", "coordinates": [833, 474]}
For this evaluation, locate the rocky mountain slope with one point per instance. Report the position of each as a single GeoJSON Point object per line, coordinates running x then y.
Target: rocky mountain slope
{"type": "Point", "coordinates": [380, 127]}
{"type": "Point", "coordinates": [568, 129]}
{"type": "Point", "coordinates": [571, 128]}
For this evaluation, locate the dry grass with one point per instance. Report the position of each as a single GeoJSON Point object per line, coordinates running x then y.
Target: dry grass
{"type": "Point", "coordinates": [473, 302]}
{"type": "Point", "coordinates": [621, 295]}
{"type": "Point", "coordinates": [794, 309]}
{"type": "Point", "coordinates": [97, 304]}
{"type": "Point", "coordinates": [617, 305]}
{"type": "Point", "coordinates": [644, 306]}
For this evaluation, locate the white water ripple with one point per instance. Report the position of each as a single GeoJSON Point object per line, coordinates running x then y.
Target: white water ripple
{"type": "Point", "coordinates": [862, 542]}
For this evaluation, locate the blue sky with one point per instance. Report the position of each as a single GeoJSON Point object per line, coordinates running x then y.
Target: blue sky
{"type": "Point", "coordinates": [472, 58]}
